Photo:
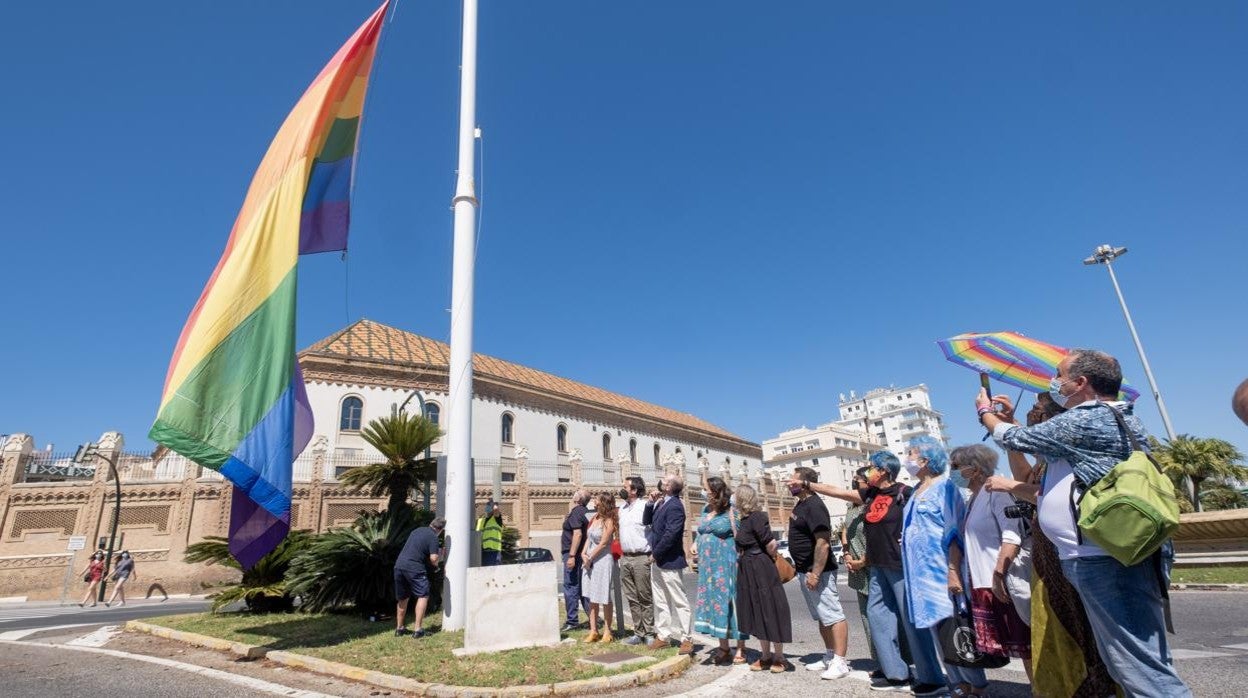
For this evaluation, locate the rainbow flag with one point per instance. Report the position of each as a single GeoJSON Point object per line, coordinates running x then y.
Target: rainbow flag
{"type": "Point", "coordinates": [234, 398]}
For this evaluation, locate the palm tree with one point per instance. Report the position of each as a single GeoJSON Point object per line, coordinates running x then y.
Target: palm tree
{"type": "Point", "coordinates": [263, 587]}
{"type": "Point", "coordinates": [1220, 495]}
{"type": "Point", "coordinates": [403, 440]}
{"type": "Point", "coordinates": [1198, 460]}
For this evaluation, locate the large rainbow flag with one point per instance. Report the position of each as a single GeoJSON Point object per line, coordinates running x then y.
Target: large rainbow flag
{"type": "Point", "coordinates": [234, 398]}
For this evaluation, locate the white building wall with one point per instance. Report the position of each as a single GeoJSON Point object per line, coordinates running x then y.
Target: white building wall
{"type": "Point", "coordinates": [534, 429]}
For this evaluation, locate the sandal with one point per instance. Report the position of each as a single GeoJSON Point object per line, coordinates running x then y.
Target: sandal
{"type": "Point", "coordinates": [761, 664]}
{"type": "Point", "coordinates": [782, 666]}
{"type": "Point", "coordinates": [738, 659]}
{"type": "Point", "coordinates": [722, 657]}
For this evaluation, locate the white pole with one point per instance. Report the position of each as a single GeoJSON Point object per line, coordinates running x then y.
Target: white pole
{"type": "Point", "coordinates": [1148, 371]}
{"type": "Point", "coordinates": [459, 485]}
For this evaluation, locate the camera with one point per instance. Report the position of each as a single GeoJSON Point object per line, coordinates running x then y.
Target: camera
{"type": "Point", "coordinates": [1021, 510]}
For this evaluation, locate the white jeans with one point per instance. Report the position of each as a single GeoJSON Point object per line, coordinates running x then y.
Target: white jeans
{"type": "Point", "coordinates": [671, 606]}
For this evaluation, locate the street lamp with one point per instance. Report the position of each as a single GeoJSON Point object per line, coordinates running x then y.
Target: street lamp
{"type": "Point", "coordinates": [424, 413]}
{"type": "Point", "coordinates": [92, 450]}
{"type": "Point", "coordinates": [1106, 254]}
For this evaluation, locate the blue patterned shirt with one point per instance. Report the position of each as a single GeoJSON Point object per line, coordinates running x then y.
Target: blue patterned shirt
{"type": "Point", "coordinates": [1086, 436]}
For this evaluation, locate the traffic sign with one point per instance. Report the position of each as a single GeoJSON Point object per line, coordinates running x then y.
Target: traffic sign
{"type": "Point", "coordinates": [77, 543]}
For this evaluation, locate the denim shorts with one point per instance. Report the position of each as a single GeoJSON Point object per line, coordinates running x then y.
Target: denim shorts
{"type": "Point", "coordinates": [824, 601]}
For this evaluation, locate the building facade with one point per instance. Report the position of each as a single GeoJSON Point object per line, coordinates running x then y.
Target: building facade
{"type": "Point", "coordinates": [892, 416]}
{"type": "Point", "coordinates": [834, 450]}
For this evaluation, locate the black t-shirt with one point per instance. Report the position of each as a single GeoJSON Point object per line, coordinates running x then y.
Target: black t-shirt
{"type": "Point", "coordinates": [577, 520]}
{"type": "Point", "coordinates": [414, 557]}
{"type": "Point", "coordinates": [810, 516]}
{"type": "Point", "coordinates": [882, 528]}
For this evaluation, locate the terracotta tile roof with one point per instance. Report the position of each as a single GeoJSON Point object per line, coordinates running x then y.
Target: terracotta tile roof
{"type": "Point", "coordinates": [374, 341]}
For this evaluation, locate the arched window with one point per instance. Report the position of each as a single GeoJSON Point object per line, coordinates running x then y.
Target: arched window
{"type": "Point", "coordinates": [606, 447]}
{"type": "Point", "coordinates": [561, 438]}
{"type": "Point", "coordinates": [656, 455]}
{"type": "Point", "coordinates": [433, 413]}
{"type": "Point", "coordinates": [352, 414]}
{"type": "Point", "coordinates": [509, 423]}
{"type": "Point", "coordinates": [632, 450]}
{"type": "Point", "coordinates": [699, 454]}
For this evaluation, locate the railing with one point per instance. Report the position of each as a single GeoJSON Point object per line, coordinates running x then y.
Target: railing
{"type": "Point", "coordinates": [548, 472]}
{"type": "Point", "coordinates": [52, 467]}
{"type": "Point", "coordinates": [303, 468]}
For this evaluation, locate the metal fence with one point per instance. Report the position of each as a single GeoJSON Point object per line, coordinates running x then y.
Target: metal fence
{"type": "Point", "coordinates": [45, 466]}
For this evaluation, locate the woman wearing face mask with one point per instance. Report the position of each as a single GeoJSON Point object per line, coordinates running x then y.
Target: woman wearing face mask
{"type": "Point", "coordinates": [993, 541]}
{"type": "Point", "coordinates": [122, 572]}
{"type": "Point", "coordinates": [932, 551]}
{"type": "Point", "coordinates": [92, 575]}
{"type": "Point", "coordinates": [884, 501]}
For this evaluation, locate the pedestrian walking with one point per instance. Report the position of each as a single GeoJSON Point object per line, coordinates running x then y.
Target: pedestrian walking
{"type": "Point", "coordinates": [1126, 605]}
{"type": "Point", "coordinates": [762, 606]}
{"type": "Point", "coordinates": [417, 562]}
{"type": "Point", "coordinates": [993, 541]}
{"type": "Point", "coordinates": [572, 545]}
{"type": "Point", "coordinates": [810, 535]}
{"type": "Point", "coordinates": [599, 566]}
{"type": "Point", "coordinates": [667, 564]}
{"type": "Point", "coordinates": [92, 574]}
{"type": "Point", "coordinates": [635, 561]}
{"type": "Point", "coordinates": [715, 610]}
{"type": "Point", "coordinates": [490, 526]}
{"type": "Point", "coordinates": [123, 571]}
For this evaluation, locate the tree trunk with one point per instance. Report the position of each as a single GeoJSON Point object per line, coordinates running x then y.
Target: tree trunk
{"type": "Point", "coordinates": [1196, 493]}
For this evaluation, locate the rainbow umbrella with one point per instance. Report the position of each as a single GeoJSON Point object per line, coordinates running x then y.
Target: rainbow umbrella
{"type": "Point", "coordinates": [1012, 358]}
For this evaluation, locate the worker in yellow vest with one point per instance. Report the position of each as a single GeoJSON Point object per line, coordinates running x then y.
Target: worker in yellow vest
{"type": "Point", "coordinates": [491, 528]}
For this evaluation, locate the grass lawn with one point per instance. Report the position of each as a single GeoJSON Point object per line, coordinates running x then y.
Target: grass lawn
{"type": "Point", "coordinates": [1227, 574]}
{"type": "Point", "coordinates": [352, 640]}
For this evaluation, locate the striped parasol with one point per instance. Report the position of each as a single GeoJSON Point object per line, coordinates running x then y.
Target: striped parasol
{"type": "Point", "coordinates": [1012, 358]}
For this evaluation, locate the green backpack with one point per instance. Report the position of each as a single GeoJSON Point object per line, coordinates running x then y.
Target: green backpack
{"type": "Point", "coordinates": [1132, 510]}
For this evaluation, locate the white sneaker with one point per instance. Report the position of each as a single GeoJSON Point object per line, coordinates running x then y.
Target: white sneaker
{"type": "Point", "coordinates": [837, 669]}
{"type": "Point", "coordinates": [817, 665]}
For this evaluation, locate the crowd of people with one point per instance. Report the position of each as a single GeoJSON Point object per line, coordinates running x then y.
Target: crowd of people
{"type": "Point", "coordinates": [964, 552]}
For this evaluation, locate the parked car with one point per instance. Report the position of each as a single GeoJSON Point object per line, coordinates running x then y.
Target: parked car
{"type": "Point", "coordinates": [526, 555]}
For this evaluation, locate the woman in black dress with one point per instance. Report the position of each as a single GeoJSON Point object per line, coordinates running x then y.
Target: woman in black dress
{"type": "Point", "coordinates": [762, 607]}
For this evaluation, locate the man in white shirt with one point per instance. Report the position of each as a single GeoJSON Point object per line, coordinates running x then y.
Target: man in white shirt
{"type": "Point", "coordinates": [635, 564]}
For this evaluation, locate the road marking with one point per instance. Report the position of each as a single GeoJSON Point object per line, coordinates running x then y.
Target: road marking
{"type": "Point", "coordinates": [1197, 654]}
{"type": "Point", "coordinates": [97, 638]}
{"type": "Point", "coordinates": [719, 686]}
{"type": "Point", "coordinates": [1240, 646]}
{"type": "Point", "coordinates": [236, 679]}
{"type": "Point", "coordinates": [19, 634]}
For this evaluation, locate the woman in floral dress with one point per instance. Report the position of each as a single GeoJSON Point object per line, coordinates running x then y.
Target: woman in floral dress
{"type": "Point", "coordinates": [715, 612]}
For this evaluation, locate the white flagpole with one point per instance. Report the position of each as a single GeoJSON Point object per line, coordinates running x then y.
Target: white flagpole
{"type": "Point", "coordinates": [459, 476]}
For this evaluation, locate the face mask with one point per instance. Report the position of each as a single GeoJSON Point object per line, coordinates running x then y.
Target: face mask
{"type": "Point", "coordinates": [1055, 391]}
{"type": "Point", "coordinates": [795, 490]}
{"type": "Point", "coordinates": [956, 477]}
{"type": "Point", "coordinates": [913, 468]}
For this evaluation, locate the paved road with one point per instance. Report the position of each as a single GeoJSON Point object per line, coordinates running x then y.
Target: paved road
{"type": "Point", "coordinates": [14, 617]}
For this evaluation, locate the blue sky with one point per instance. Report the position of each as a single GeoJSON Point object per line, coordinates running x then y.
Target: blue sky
{"type": "Point", "coordinates": [734, 211]}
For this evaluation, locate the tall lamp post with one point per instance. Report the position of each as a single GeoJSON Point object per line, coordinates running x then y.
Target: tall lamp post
{"type": "Point", "coordinates": [92, 450]}
{"type": "Point", "coordinates": [424, 412]}
{"type": "Point", "coordinates": [1106, 254]}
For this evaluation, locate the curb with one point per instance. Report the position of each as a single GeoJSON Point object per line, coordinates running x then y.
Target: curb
{"type": "Point", "coordinates": [1198, 586]}
{"type": "Point", "coordinates": [659, 671]}
{"type": "Point", "coordinates": [212, 643]}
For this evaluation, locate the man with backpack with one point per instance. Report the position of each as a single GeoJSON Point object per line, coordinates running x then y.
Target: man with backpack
{"type": "Point", "coordinates": [885, 501]}
{"type": "Point", "coordinates": [1125, 603]}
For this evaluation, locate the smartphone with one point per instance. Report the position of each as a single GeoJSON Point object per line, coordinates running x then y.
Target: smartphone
{"type": "Point", "coordinates": [983, 382]}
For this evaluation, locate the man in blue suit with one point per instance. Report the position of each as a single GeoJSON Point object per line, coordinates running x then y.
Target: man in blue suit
{"type": "Point", "coordinates": [667, 565]}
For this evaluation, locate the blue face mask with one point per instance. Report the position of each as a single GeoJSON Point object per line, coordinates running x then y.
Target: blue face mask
{"type": "Point", "coordinates": [1055, 391]}
{"type": "Point", "coordinates": [955, 476]}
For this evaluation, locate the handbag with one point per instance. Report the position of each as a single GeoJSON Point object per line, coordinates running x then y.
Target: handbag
{"type": "Point", "coordinates": [616, 550]}
{"type": "Point", "coordinates": [1132, 510]}
{"type": "Point", "coordinates": [785, 569]}
{"type": "Point", "coordinates": [957, 641]}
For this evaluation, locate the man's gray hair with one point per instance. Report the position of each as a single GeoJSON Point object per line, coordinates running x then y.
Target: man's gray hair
{"type": "Point", "coordinates": [978, 456]}
{"type": "Point", "coordinates": [581, 497]}
{"type": "Point", "coordinates": [1103, 371]}
{"type": "Point", "coordinates": [675, 485]}
{"type": "Point", "coordinates": [437, 524]}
